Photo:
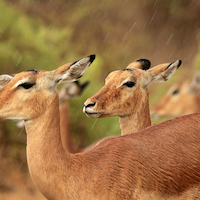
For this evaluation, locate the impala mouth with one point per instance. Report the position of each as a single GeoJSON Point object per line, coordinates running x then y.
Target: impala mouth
{"type": "Point", "coordinates": [91, 113]}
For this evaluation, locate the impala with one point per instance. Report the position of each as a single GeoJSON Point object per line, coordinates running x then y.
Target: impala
{"type": "Point", "coordinates": [125, 94]}
{"type": "Point", "coordinates": [160, 162]}
{"type": "Point", "coordinates": [68, 91]}
{"type": "Point", "coordinates": [181, 99]}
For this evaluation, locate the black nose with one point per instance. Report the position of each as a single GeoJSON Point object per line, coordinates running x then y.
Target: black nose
{"type": "Point", "coordinates": [90, 105]}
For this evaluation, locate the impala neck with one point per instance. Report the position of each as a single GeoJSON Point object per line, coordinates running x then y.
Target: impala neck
{"type": "Point", "coordinates": [65, 128]}
{"type": "Point", "coordinates": [195, 106]}
{"type": "Point", "coordinates": [139, 120]}
{"type": "Point", "coordinates": [45, 154]}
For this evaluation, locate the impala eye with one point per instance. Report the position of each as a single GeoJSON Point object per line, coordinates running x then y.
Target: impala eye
{"type": "Point", "coordinates": [175, 92]}
{"type": "Point", "coordinates": [129, 84]}
{"type": "Point", "coordinates": [27, 85]}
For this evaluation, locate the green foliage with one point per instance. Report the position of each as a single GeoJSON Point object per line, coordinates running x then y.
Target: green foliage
{"type": "Point", "coordinates": [26, 43]}
{"type": "Point", "coordinates": [45, 34]}
{"type": "Point", "coordinates": [197, 60]}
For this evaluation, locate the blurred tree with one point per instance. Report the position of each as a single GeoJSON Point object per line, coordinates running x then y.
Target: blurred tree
{"type": "Point", "coordinates": [47, 33]}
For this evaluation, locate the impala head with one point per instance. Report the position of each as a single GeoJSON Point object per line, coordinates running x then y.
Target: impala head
{"type": "Point", "coordinates": [126, 90]}
{"type": "Point", "coordinates": [71, 90]}
{"type": "Point", "coordinates": [26, 95]}
{"type": "Point", "coordinates": [182, 98]}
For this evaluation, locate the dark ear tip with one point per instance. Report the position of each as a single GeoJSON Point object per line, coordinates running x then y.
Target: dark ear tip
{"type": "Point", "coordinates": [85, 84]}
{"type": "Point", "coordinates": [146, 64]}
{"type": "Point", "coordinates": [179, 64]}
{"type": "Point", "coordinates": [92, 57]}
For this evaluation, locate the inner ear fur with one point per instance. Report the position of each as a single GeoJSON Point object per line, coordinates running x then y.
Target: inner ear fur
{"type": "Point", "coordinates": [73, 71]}
{"type": "Point", "coordinates": [161, 72]}
{"type": "Point", "coordinates": [5, 79]}
{"type": "Point", "coordinates": [195, 84]}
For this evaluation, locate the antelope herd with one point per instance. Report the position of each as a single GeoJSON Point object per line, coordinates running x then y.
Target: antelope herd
{"type": "Point", "coordinates": [147, 162]}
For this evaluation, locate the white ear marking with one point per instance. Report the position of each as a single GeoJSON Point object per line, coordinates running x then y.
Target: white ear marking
{"type": "Point", "coordinates": [20, 82]}
{"type": "Point", "coordinates": [73, 71]}
{"type": "Point", "coordinates": [195, 84]}
{"type": "Point", "coordinates": [5, 79]}
{"type": "Point", "coordinates": [171, 69]}
{"type": "Point", "coordinates": [124, 81]}
{"type": "Point", "coordinates": [80, 65]}
{"type": "Point", "coordinates": [160, 72]}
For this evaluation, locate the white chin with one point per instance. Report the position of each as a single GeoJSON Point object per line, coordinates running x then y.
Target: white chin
{"type": "Point", "coordinates": [93, 115]}
{"type": "Point", "coordinates": [14, 118]}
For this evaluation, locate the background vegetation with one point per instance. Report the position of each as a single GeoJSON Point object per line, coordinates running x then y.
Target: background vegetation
{"type": "Point", "coordinates": [45, 34]}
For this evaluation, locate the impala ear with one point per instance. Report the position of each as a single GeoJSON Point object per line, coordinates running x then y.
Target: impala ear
{"type": "Point", "coordinates": [143, 64]}
{"type": "Point", "coordinates": [161, 72]}
{"type": "Point", "coordinates": [195, 84]}
{"type": "Point", "coordinates": [71, 90]}
{"type": "Point", "coordinates": [73, 71]}
{"type": "Point", "coordinates": [84, 85]}
{"type": "Point", "coordinates": [5, 79]}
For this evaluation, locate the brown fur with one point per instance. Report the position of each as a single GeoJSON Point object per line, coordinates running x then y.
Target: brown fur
{"type": "Point", "coordinates": [160, 162]}
{"type": "Point", "coordinates": [131, 104]}
{"type": "Point", "coordinates": [65, 128]}
{"type": "Point", "coordinates": [156, 161]}
{"type": "Point", "coordinates": [68, 91]}
{"type": "Point", "coordinates": [185, 101]}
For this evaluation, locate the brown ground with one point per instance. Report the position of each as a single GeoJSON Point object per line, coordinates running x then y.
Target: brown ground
{"type": "Point", "coordinates": [15, 184]}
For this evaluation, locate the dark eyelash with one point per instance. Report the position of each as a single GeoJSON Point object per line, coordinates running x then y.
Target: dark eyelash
{"type": "Point", "coordinates": [27, 85]}
{"type": "Point", "coordinates": [129, 84]}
